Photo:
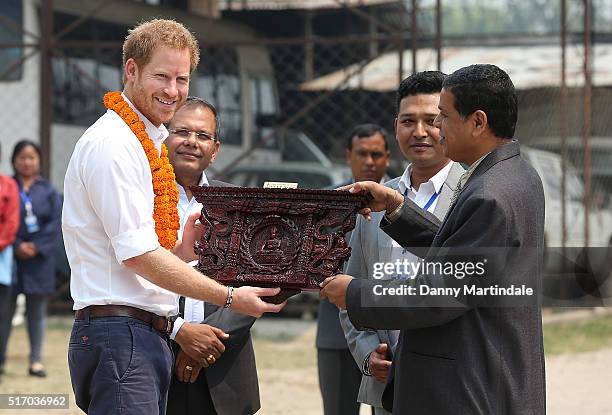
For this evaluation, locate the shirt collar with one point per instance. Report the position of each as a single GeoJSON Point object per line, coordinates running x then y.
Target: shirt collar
{"type": "Point", "coordinates": [468, 173]}
{"type": "Point", "coordinates": [157, 134]}
{"type": "Point", "coordinates": [404, 181]}
{"type": "Point", "coordinates": [477, 162]}
{"type": "Point", "coordinates": [37, 180]}
{"type": "Point", "coordinates": [437, 180]}
{"type": "Point", "coordinates": [203, 182]}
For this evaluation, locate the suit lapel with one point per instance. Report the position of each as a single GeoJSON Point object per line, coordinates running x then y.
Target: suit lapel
{"type": "Point", "coordinates": [448, 188]}
{"type": "Point", "coordinates": [499, 154]}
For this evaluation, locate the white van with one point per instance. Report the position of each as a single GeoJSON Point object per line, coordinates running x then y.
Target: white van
{"type": "Point", "coordinates": [578, 271]}
{"type": "Point", "coordinates": [548, 166]}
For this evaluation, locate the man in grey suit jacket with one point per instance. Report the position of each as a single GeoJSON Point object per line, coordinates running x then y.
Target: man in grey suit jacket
{"type": "Point", "coordinates": [225, 381]}
{"type": "Point", "coordinates": [430, 181]}
{"type": "Point", "coordinates": [467, 354]}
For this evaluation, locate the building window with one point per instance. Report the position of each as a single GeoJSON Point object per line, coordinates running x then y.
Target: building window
{"type": "Point", "coordinates": [217, 80]}
{"type": "Point", "coordinates": [82, 75]}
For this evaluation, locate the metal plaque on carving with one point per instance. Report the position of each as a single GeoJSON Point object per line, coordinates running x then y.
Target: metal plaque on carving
{"type": "Point", "coordinates": [288, 238]}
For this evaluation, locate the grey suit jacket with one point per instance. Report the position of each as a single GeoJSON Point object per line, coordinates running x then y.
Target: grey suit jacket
{"type": "Point", "coordinates": [369, 245]}
{"type": "Point", "coordinates": [478, 357]}
{"type": "Point", "coordinates": [329, 331]}
{"type": "Point", "coordinates": [329, 334]}
{"type": "Point", "coordinates": [232, 380]}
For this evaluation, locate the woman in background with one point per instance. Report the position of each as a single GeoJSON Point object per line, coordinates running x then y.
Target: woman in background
{"type": "Point", "coordinates": [39, 228]}
{"type": "Point", "coordinates": [9, 223]}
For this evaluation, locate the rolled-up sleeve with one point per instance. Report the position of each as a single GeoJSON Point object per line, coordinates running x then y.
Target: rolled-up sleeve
{"type": "Point", "coordinates": [119, 187]}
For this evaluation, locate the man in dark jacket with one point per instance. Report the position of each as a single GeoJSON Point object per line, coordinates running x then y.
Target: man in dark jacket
{"type": "Point", "coordinates": [476, 350]}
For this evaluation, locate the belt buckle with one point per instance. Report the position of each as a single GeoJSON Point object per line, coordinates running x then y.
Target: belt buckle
{"type": "Point", "coordinates": [168, 326]}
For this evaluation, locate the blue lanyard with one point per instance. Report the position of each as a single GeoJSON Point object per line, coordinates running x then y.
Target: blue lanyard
{"type": "Point", "coordinates": [25, 197]}
{"type": "Point", "coordinates": [431, 199]}
{"type": "Point", "coordinates": [427, 205]}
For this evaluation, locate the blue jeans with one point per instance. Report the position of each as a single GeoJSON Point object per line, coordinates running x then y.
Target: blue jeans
{"type": "Point", "coordinates": [36, 317]}
{"type": "Point", "coordinates": [119, 365]}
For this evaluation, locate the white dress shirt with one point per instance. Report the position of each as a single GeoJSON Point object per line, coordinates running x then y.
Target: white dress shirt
{"type": "Point", "coordinates": [194, 309]}
{"type": "Point", "coordinates": [108, 216]}
{"type": "Point", "coordinates": [428, 194]}
{"type": "Point", "coordinates": [426, 190]}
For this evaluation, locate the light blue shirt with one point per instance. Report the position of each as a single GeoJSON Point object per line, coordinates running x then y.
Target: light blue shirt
{"type": "Point", "coordinates": [6, 265]}
{"type": "Point", "coordinates": [194, 309]}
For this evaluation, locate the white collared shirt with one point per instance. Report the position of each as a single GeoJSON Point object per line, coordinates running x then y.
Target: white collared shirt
{"type": "Point", "coordinates": [194, 309]}
{"type": "Point", "coordinates": [426, 190]}
{"type": "Point", "coordinates": [421, 197]}
{"type": "Point", "coordinates": [108, 216]}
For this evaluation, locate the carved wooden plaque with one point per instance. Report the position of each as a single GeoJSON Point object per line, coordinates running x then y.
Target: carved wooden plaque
{"type": "Point", "coordinates": [288, 238]}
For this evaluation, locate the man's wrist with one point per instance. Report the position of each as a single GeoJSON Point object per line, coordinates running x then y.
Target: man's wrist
{"type": "Point", "coordinates": [395, 213]}
{"type": "Point", "coordinates": [230, 297]}
{"type": "Point", "coordinates": [178, 323]}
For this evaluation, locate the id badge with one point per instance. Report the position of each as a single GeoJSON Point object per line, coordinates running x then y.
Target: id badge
{"type": "Point", "coordinates": [31, 222]}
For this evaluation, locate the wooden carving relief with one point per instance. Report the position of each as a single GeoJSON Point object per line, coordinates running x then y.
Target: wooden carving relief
{"type": "Point", "coordinates": [288, 238]}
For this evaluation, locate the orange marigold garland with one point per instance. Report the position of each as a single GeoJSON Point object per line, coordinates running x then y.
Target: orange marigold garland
{"type": "Point", "coordinates": [165, 211]}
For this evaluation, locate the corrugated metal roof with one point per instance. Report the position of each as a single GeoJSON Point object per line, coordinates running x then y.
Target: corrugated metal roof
{"type": "Point", "coordinates": [296, 4]}
{"type": "Point", "coordinates": [528, 66]}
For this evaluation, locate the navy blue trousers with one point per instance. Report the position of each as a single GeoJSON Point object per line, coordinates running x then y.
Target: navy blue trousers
{"type": "Point", "coordinates": [119, 365]}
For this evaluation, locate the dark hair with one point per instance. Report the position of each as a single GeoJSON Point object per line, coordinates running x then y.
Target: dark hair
{"type": "Point", "coordinates": [426, 82]}
{"type": "Point", "coordinates": [366, 130]}
{"type": "Point", "coordinates": [19, 148]}
{"type": "Point", "coordinates": [199, 102]}
{"type": "Point", "coordinates": [489, 89]}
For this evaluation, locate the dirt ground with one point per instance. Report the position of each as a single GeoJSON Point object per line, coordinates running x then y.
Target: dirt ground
{"type": "Point", "coordinates": [286, 360]}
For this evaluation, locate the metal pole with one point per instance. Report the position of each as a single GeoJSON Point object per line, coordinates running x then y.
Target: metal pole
{"type": "Point", "coordinates": [46, 85]}
{"type": "Point", "coordinates": [400, 41]}
{"type": "Point", "coordinates": [373, 44]}
{"type": "Point", "coordinates": [367, 16]}
{"type": "Point", "coordinates": [413, 35]}
{"type": "Point", "coordinates": [308, 47]}
{"type": "Point", "coordinates": [586, 131]}
{"type": "Point", "coordinates": [439, 34]}
{"type": "Point", "coordinates": [563, 126]}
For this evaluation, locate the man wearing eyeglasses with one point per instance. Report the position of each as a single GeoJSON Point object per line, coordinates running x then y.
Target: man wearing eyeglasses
{"type": "Point", "coordinates": [227, 382]}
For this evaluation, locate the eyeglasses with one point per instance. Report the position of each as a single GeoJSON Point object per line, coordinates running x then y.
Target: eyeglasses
{"type": "Point", "coordinates": [185, 134]}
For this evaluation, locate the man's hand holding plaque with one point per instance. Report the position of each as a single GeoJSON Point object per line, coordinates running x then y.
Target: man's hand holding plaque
{"type": "Point", "coordinates": [334, 289]}
{"type": "Point", "coordinates": [246, 299]}
{"type": "Point", "coordinates": [383, 197]}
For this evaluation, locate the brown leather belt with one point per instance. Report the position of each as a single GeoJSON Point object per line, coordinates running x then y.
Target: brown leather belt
{"type": "Point", "coordinates": [159, 323]}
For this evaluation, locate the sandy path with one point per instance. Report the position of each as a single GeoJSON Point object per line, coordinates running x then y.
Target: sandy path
{"type": "Point", "coordinates": [576, 384]}
{"type": "Point", "coordinates": [579, 383]}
